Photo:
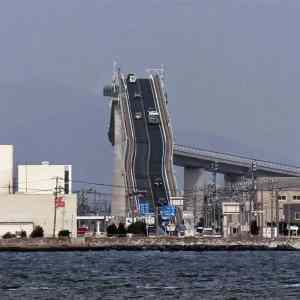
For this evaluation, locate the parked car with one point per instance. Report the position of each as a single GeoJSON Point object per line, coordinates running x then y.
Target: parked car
{"type": "Point", "coordinates": [82, 230]}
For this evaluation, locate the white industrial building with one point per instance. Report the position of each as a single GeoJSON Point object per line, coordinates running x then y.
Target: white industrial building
{"type": "Point", "coordinates": [23, 212]}
{"type": "Point", "coordinates": [35, 203]}
{"type": "Point", "coordinates": [43, 178]}
{"type": "Point", "coordinates": [6, 169]}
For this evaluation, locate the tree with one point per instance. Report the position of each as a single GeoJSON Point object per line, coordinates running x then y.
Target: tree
{"type": "Point", "coordinates": [137, 228]}
{"type": "Point", "coordinates": [8, 235]}
{"type": "Point", "coordinates": [23, 234]}
{"type": "Point", "coordinates": [121, 231]}
{"type": "Point", "coordinates": [283, 228]}
{"type": "Point", "coordinates": [254, 229]}
{"type": "Point", "coordinates": [37, 232]}
{"type": "Point", "coordinates": [64, 233]}
{"type": "Point", "coordinates": [111, 229]}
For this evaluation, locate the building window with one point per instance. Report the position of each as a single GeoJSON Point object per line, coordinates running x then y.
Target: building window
{"type": "Point", "coordinates": [296, 197]}
{"type": "Point", "coordinates": [281, 197]}
{"type": "Point", "coordinates": [297, 215]}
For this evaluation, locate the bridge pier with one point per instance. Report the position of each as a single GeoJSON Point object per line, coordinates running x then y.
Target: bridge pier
{"type": "Point", "coordinates": [118, 202]}
{"type": "Point", "coordinates": [230, 179]}
{"type": "Point", "coordinates": [195, 179]}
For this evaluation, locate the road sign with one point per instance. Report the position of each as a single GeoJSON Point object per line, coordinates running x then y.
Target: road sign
{"type": "Point", "coordinates": [167, 212]}
{"type": "Point", "coordinates": [144, 208]}
{"type": "Point", "coordinates": [171, 227]}
{"type": "Point", "coordinates": [149, 220]}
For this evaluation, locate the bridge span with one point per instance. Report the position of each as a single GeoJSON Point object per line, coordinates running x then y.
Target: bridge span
{"type": "Point", "coordinates": [230, 164]}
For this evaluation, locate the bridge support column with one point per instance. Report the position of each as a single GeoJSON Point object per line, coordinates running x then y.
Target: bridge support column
{"type": "Point", "coordinates": [195, 179]}
{"type": "Point", "coordinates": [118, 202]}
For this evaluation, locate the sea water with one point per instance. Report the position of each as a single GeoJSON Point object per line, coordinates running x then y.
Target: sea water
{"type": "Point", "coordinates": [150, 275]}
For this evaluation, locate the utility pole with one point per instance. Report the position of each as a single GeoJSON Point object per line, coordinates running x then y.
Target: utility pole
{"type": "Point", "coordinates": [289, 219]}
{"type": "Point", "coordinates": [57, 191]}
{"type": "Point", "coordinates": [215, 168]}
{"type": "Point", "coordinates": [272, 213]}
{"type": "Point", "coordinates": [253, 201]}
{"type": "Point", "coordinates": [96, 209]}
{"type": "Point", "coordinates": [262, 212]}
{"type": "Point", "coordinates": [277, 212]}
{"type": "Point", "coordinates": [156, 220]}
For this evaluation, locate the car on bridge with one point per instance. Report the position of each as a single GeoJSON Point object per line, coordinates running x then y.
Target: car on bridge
{"type": "Point", "coordinates": [158, 181]}
{"type": "Point", "coordinates": [137, 95]}
{"type": "Point", "coordinates": [131, 78]}
{"type": "Point", "coordinates": [153, 116]}
{"type": "Point", "coordinates": [138, 115]}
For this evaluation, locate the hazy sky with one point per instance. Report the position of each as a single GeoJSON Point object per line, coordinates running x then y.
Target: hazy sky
{"type": "Point", "coordinates": [233, 75]}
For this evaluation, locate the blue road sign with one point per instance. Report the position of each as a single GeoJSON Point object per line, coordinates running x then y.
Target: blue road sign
{"type": "Point", "coordinates": [144, 208]}
{"type": "Point", "coordinates": [167, 212]}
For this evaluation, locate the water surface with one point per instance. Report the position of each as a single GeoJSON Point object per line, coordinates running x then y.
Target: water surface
{"type": "Point", "coordinates": [150, 275]}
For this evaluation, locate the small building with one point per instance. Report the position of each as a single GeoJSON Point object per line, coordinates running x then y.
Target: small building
{"type": "Point", "coordinates": [280, 206]}
{"type": "Point", "coordinates": [231, 218]}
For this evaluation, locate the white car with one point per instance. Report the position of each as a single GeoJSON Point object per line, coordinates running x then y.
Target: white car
{"type": "Point", "coordinates": [137, 95]}
{"type": "Point", "coordinates": [131, 78]}
{"type": "Point", "coordinates": [153, 117]}
{"type": "Point", "coordinates": [138, 115]}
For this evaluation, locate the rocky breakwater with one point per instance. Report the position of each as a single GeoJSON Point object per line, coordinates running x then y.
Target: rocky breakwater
{"type": "Point", "coordinates": [189, 243]}
{"type": "Point", "coordinates": [146, 243]}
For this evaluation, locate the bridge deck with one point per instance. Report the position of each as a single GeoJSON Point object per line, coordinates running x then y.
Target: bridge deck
{"type": "Point", "coordinates": [230, 163]}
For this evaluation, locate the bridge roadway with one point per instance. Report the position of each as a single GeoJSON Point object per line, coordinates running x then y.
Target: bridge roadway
{"type": "Point", "coordinates": [142, 146]}
{"type": "Point", "coordinates": [229, 164]}
{"type": "Point", "coordinates": [149, 144]}
{"type": "Point", "coordinates": [156, 163]}
{"type": "Point", "coordinates": [167, 133]}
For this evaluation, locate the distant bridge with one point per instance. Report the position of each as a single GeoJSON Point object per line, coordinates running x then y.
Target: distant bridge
{"type": "Point", "coordinates": [229, 164]}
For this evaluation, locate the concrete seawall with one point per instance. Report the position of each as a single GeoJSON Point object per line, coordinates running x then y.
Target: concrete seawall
{"type": "Point", "coordinates": [141, 243]}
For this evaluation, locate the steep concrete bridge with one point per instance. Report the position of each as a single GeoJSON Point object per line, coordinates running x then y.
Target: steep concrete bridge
{"type": "Point", "coordinates": [141, 133]}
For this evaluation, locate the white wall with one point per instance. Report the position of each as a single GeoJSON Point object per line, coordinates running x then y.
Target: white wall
{"type": "Point", "coordinates": [6, 168]}
{"type": "Point", "coordinates": [40, 179]}
{"type": "Point", "coordinates": [39, 209]}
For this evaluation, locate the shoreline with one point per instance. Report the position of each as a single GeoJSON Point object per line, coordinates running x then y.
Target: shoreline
{"type": "Point", "coordinates": [146, 244]}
